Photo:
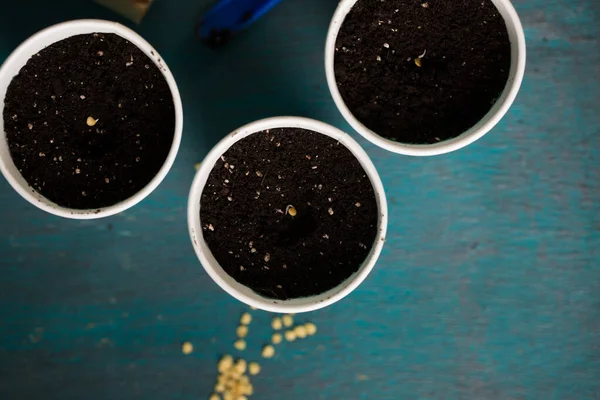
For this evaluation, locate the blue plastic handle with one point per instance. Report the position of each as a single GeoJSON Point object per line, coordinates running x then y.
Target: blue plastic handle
{"type": "Point", "coordinates": [228, 17]}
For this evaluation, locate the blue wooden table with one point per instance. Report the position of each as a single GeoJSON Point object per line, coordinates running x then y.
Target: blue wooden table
{"type": "Point", "coordinates": [488, 287]}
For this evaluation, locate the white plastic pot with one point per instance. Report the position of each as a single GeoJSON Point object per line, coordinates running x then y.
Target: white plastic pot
{"type": "Point", "coordinates": [245, 294]}
{"type": "Point", "coordinates": [517, 69]}
{"type": "Point", "coordinates": [19, 58]}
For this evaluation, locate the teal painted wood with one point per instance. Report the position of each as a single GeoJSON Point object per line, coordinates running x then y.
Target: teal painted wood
{"type": "Point", "coordinates": [488, 287]}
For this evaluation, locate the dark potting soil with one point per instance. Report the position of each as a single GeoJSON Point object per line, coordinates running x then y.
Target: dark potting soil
{"type": "Point", "coordinates": [46, 119]}
{"type": "Point", "coordinates": [464, 62]}
{"type": "Point", "coordinates": [246, 205]}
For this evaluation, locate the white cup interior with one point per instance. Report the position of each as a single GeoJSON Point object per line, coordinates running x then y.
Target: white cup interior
{"type": "Point", "coordinates": [19, 58]}
{"type": "Point", "coordinates": [245, 294]}
{"type": "Point", "coordinates": [517, 70]}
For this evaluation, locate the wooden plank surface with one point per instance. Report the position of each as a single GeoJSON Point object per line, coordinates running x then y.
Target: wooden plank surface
{"type": "Point", "coordinates": [488, 287]}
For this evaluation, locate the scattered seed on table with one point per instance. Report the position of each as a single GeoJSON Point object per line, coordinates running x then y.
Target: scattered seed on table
{"type": "Point", "coordinates": [276, 323]}
{"type": "Point", "coordinates": [242, 331]}
{"type": "Point", "coordinates": [311, 328]}
{"type": "Point", "coordinates": [187, 348]}
{"type": "Point", "coordinates": [254, 368]}
{"type": "Point", "coordinates": [276, 338]}
{"type": "Point", "coordinates": [268, 351]}
{"type": "Point", "coordinates": [225, 364]}
{"type": "Point", "coordinates": [287, 320]}
{"type": "Point", "coordinates": [240, 366]}
{"type": "Point", "coordinates": [300, 331]}
{"type": "Point", "coordinates": [246, 319]}
{"type": "Point", "coordinates": [290, 336]}
{"type": "Point", "coordinates": [240, 344]}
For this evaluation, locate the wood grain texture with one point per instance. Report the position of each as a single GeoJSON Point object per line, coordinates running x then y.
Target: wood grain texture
{"type": "Point", "coordinates": [488, 287]}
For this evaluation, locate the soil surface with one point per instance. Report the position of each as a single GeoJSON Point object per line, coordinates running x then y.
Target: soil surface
{"type": "Point", "coordinates": [248, 205]}
{"type": "Point", "coordinates": [422, 71]}
{"type": "Point", "coordinates": [89, 121]}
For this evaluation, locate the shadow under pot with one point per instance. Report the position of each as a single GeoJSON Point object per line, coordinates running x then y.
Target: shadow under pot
{"type": "Point", "coordinates": [91, 119]}
{"type": "Point", "coordinates": [424, 77]}
{"type": "Point", "coordinates": [287, 214]}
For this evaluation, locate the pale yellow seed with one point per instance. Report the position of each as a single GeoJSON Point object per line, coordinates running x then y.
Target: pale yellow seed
{"type": "Point", "coordinates": [242, 398]}
{"type": "Point", "coordinates": [246, 319]}
{"type": "Point", "coordinates": [91, 121]}
{"type": "Point", "coordinates": [226, 363]}
{"type": "Point", "coordinates": [276, 338]}
{"type": "Point", "coordinates": [300, 331]}
{"type": "Point", "coordinates": [241, 365]}
{"type": "Point", "coordinates": [242, 331]}
{"type": "Point", "coordinates": [287, 320]}
{"type": "Point", "coordinates": [219, 388]}
{"type": "Point", "coordinates": [254, 368]}
{"type": "Point", "coordinates": [248, 389]}
{"type": "Point", "coordinates": [418, 62]}
{"type": "Point", "coordinates": [214, 397]}
{"type": "Point", "coordinates": [290, 336]}
{"type": "Point", "coordinates": [268, 351]}
{"type": "Point", "coordinates": [276, 323]}
{"type": "Point", "coordinates": [311, 328]}
{"type": "Point", "coordinates": [187, 348]}
{"type": "Point", "coordinates": [240, 345]}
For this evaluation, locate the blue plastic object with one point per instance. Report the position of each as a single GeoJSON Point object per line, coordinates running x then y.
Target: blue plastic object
{"type": "Point", "coordinates": [228, 17]}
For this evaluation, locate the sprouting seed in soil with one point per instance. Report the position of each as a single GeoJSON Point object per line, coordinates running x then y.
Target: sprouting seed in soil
{"type": "Point", "coordinates": [276, 324]}
{"type": "Point", "coordinates": [246, 319]}
{"type": "Point", "coordinates": [386, 45]}
{"type": "Point", "coordinates": [357, 204]}
{"type": "Point", "coordinates": [423, 54]}
{"type": "Point", "coordinates": [268, 351]}
{"type": "Point", "coordinates": [187, 348]}
{"type": "Point", "coordinates": [276, 338]}
{"type": "Point", "coordinates": [240, 344]}
{"type": "Point", "coordinates": [30, 126]}
{"type": "Point", "coordinates": [425, 5]}
{"type": "Point", "coordinates": [106, 180]}
{"type": "Point", "coordinates": [77, 171]}
{"type": "Point", "coordinates": [267, 257]}
{"type": "Point", "coordinates": [378, 58]}
{"type": "Point", "coordinates": [287, 320]}
{"type": "Point", "coordinates": [254, 368]}
{"type": "Point", "coordinates": [91, 121]}
{"type": "Point", "coordinates": [242, 330]}
{"type": "Point", "coordinates": [418, 62]}
{"type": "Point", "coordinates": [290, 209]}
{"type": "Point", "coordinates": [211, 227]}
{"type": "Point", "coordinates": [259, 174]}
{"type": "Point", "coordinates": [100, 53]}
{"type": "Point", "coordinates": [330, 211]}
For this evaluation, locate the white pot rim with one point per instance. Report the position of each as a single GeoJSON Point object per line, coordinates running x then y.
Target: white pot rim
{"type": "Point", "coordinates": [245, 294]}
{"type": "Point", "coordinates": [43, 39]}
{"type": "Point", "coordinates": [517, 70]}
